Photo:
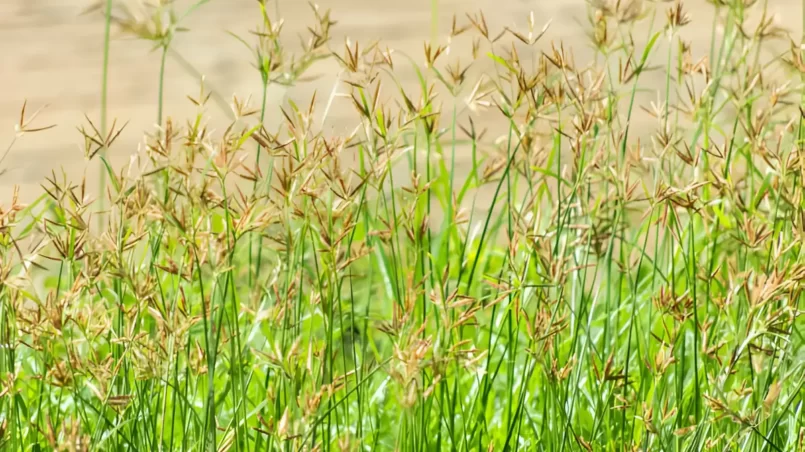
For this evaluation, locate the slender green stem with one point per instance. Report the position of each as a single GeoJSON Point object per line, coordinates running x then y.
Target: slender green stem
{"type": "Point", "coordinates": [161, 92]}
{"type": "Point", "coordinates": [104, 104]}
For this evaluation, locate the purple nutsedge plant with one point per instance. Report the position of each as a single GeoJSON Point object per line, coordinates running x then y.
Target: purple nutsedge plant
{"type": "Point", "coordinates": [520, 246]}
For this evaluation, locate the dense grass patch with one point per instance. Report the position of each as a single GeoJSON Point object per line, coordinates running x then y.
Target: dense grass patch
{"type": "Point", "coordinates": [603, 275]}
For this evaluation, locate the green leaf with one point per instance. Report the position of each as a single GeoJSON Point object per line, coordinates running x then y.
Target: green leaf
{"type": "Point", "coordinates": [501, 62]}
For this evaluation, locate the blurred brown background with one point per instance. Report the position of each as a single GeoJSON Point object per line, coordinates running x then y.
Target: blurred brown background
{"type": "Point", "coordinates": [52, 55]}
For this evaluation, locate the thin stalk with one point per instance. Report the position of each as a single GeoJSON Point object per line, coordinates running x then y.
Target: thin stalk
{"type": "Point", "coordinates": [161, 93]}
{"type": "Point", "coordinates": [802, 52]}
{"type": "Point", "coordinates": [104, 100]}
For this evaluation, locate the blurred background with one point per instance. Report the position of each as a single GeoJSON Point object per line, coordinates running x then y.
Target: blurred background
{"type": "Point", "coordinates": [52, 55]}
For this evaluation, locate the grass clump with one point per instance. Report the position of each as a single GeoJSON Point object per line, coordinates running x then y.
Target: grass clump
{"type": "Point", "coordinates": [635, 281]}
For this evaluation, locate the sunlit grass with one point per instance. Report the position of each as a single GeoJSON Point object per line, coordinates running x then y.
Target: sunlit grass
{"type": "Point", "coordinates": [635, 281]}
